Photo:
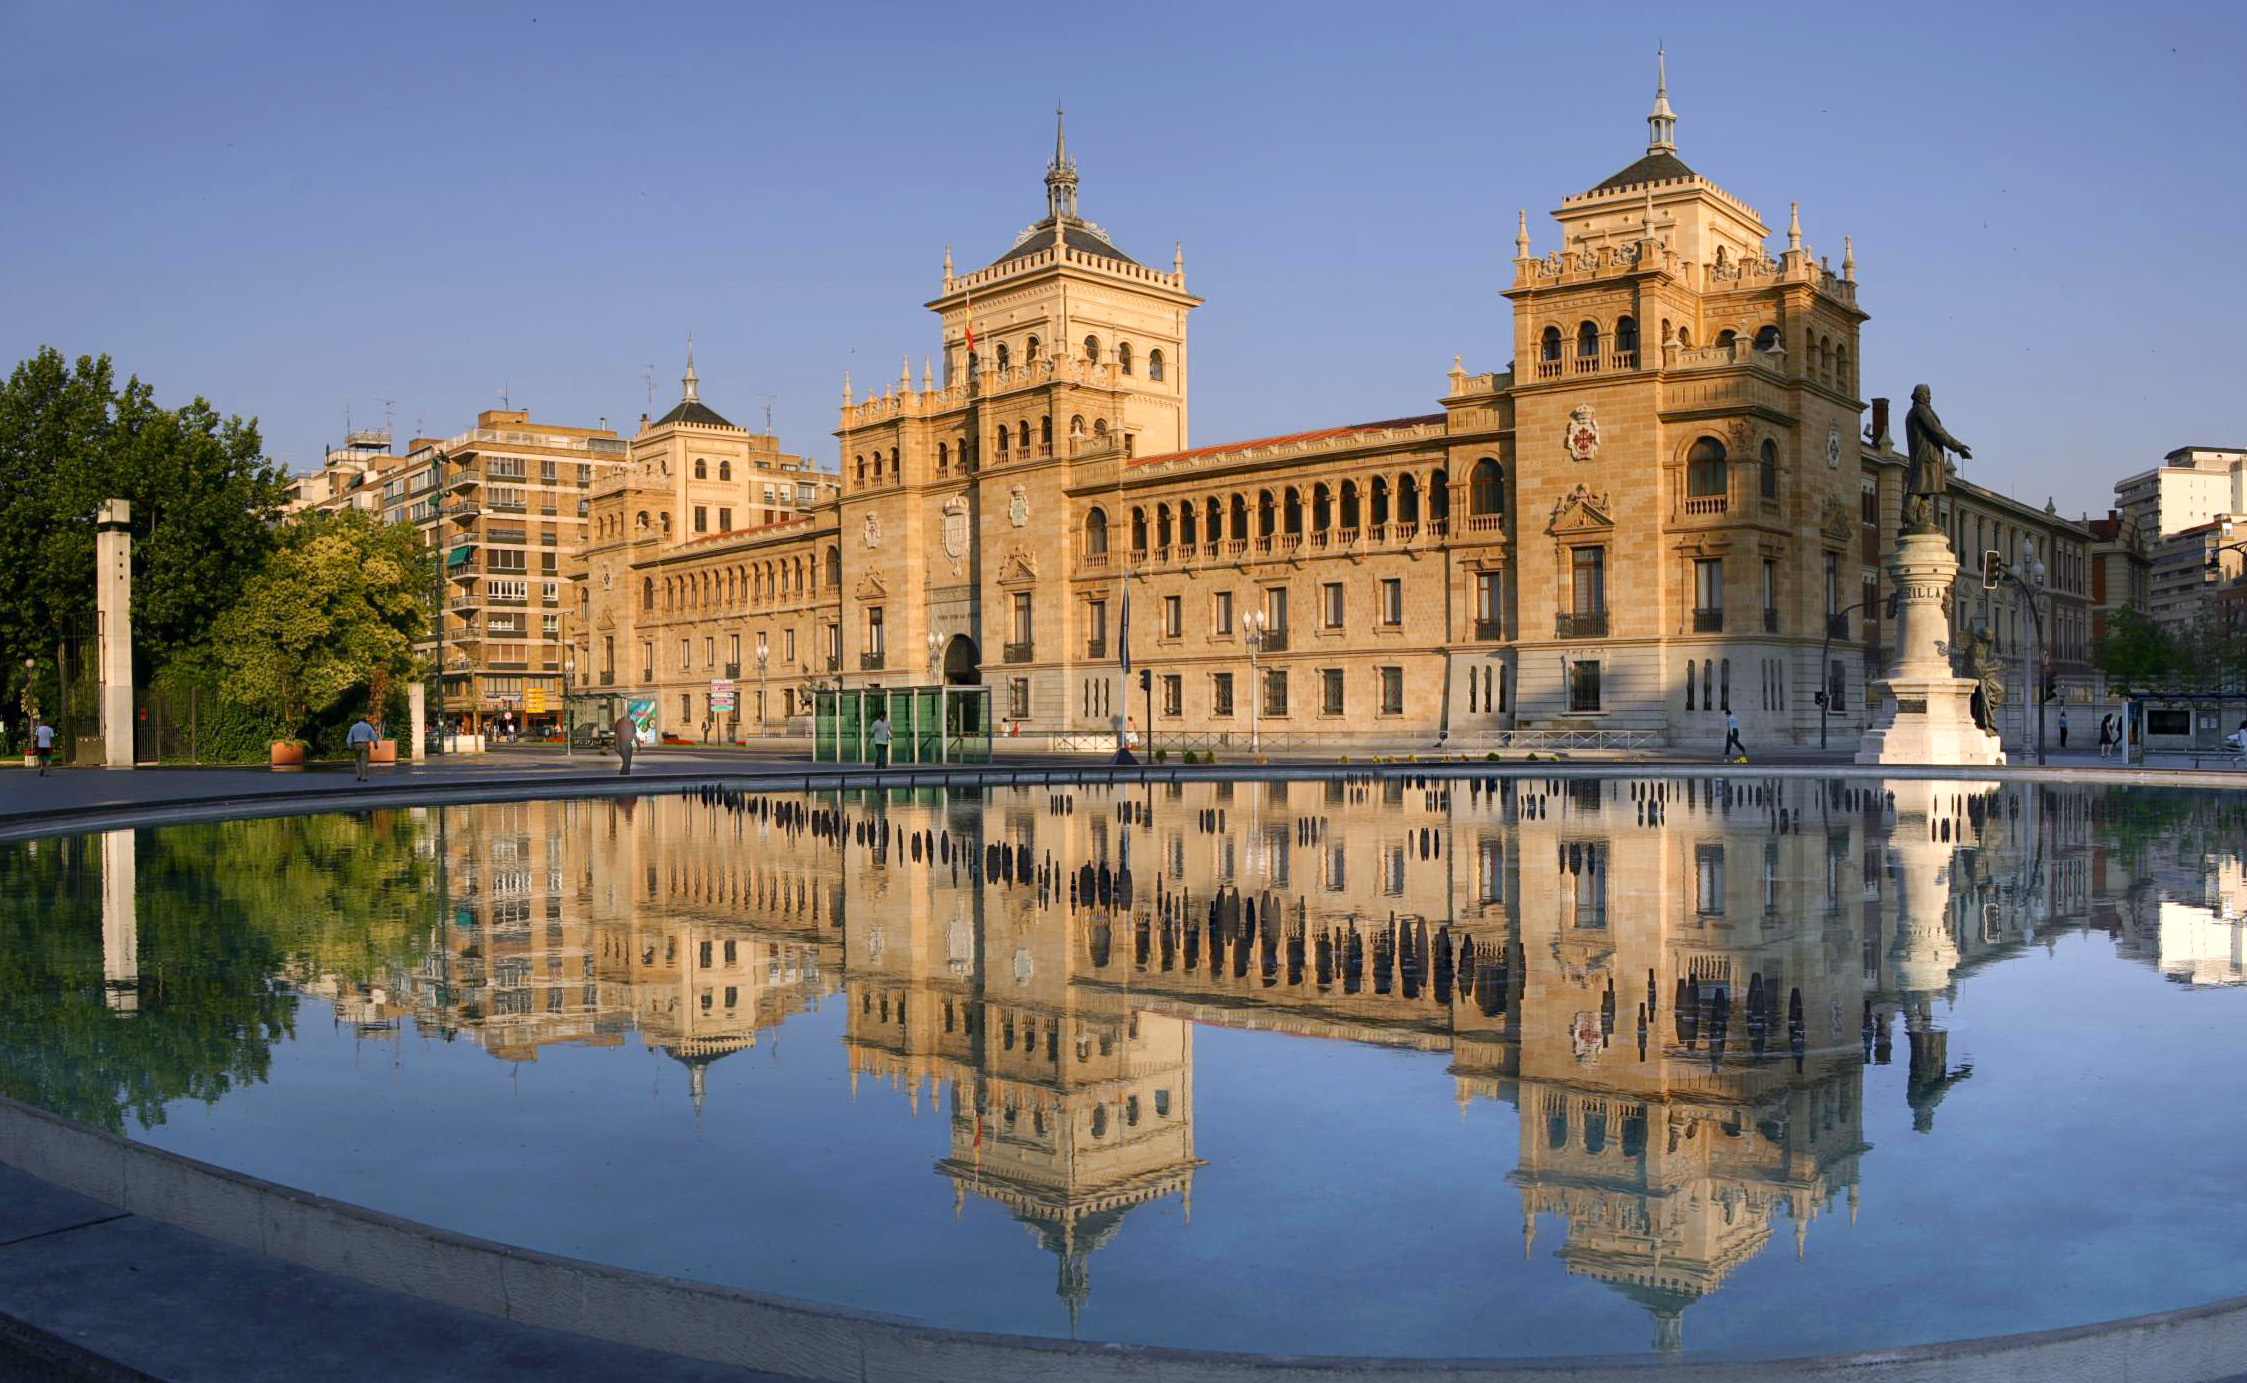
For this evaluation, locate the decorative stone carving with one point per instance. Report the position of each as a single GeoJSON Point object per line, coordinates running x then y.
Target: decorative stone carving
{"type": "Point", "coordinates": [1018, 506]}
{"type": "Point", "coordinates": [955, 532]}
{"type": "Point", "coordinates": [1581, 508]}
{"type": "Point", "coordinates": [873, 531]}
{"type": "Point", "coordinates": [1833, 443]}
{"type": "Point", "coordinates": [1582, 433]}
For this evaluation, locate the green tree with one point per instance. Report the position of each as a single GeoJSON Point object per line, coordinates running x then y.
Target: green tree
{"type": "Point", "coordinates": [337, 605]}
{"type": "Point", "coordinates": [203, 501]}
{"type": "Point", "coordinates": [2134, 652]}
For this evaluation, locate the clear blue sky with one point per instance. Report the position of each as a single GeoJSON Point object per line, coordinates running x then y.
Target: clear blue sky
{"type": "Point", "coordinates": [281, 206]}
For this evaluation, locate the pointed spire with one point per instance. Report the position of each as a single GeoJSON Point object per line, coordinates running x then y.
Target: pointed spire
{"type": "Point", "coordinates": [947, 263]}
{"type": "Point", "coordinates": [1794, 227]}
{"type": "Point", "coordinates": [1849, 258]}
{"type": "Point", "coordinates": [690, 388]}
{"type": "Point", "coordinates": [928, 380]}
{"type": "Point", "coordinates": [904, 372]}
{"type": "Point", "coordinates": [1521, 236]}
{"type": "Point", "coordinates": [846, 388]}
{"type": "Point", "coordinates": [1661, 122]}
{"type": "Point", "coordinates": [1061, 174]}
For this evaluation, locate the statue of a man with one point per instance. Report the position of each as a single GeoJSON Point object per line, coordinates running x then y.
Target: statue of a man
{"type": "Point", "coordinates": [1930, 476]}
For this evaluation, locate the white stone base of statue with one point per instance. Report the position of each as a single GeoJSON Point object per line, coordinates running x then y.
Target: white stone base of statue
{"type": "Point", "coordinates": [1922, 712]}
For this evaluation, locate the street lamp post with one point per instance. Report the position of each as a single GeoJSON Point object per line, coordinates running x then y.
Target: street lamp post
{"type": "Point", "coordinates": [569, 679]}
{"type": "Point", "coordinates": [2028, 578]}
{"type": "Point", "coordinates": [1252, 633]}
{"type": "Point", "coordinates": [764, 657]}
{"type": "Point", "coordinates": [1834, 621]}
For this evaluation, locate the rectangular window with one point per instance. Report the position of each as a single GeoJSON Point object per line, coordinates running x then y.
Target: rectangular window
{"type": "Point", "coordinates": [1221, 614]}
{"type": "Point", "coordinates": [701, 518]}
{"type": "Point", "coordinates": [788, 645]}
{"type": "Point", "coordinates": [1587, 895]}
{"type": "Point", "coordinates": [686, 655]}
{"type": "Point", "coordinates": [1833, 584]}
{"type": "Point", "coordinates": [1018, 698]}
{"type": "Point", "coordinates": [733, 648]}
{"type": "Point", "coordinates": [709, 650]}
{"type": "Point", "coordinates": [1488, 611]}
{"type": "Point", "coordinates": [1708, 584]}
{"type": "Point", "coordinates": [1392, 601]}
{"type": "Point", "coordinates": [1275, 609]}
{"type": "Point", "coordinates": [725, 520]}
{"type": "Point", "coordinates": [1708, 878]}
{"type": "Point", "coordinates": [1392, 691]}
{"type": "Point", "coordinates": [1096, 628]}
{"type": "Point", "coordinates": [1174, 694]}
{"type": "Point", "coordinates": [1330, 605]}
{"type": "Point", "coordinates": [1583, 685]}
{"type": "Point", "coordinates": [647, 662]}
{"type": "Point", "coordinates": [1330, 691]}
{"type": "Point", "coordinates": [1022, 626]}
{"type": "Point", "coordinates": [1275, 692]}
{"type": "Point", "coordinates": [686, 709]}
{"type": "Point", "coordinates": [1490, 870]}
{"type": "Point", "coordinates": [1174, 616]}
{"type": "Point", "coordinates": [1588, 580]}
{"type": "Point", "coordinates": [874, 630]}
{"type": "Point", "coordinates": [1770, 596]}
{"type": "Point", "coordinates": [1221, 693]}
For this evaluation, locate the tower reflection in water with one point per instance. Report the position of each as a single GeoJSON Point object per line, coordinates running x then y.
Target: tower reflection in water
{"type": "Point", "coordinates": [1677, 983]}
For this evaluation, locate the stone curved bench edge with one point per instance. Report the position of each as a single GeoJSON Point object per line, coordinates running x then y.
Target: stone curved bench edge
{"type": "Point", "coordinates": [815, 1341]}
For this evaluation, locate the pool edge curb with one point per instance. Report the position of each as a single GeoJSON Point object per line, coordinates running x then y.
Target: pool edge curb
{"type": "Point", "coordinates": [811, 1340]}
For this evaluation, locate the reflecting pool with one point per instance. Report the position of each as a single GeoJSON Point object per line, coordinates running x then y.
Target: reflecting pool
{"type": "Point", "coordinates": [1467, 1068]}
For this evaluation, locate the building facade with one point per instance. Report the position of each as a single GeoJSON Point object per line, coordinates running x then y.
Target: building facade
{"type": "Point", "coordinates": [1645, 523]}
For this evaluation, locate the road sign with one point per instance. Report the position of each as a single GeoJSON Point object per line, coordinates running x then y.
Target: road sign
{"type": "Point", "coordinates": [534, 700]}
{"type": "Point", "coordinates": [721, 696]}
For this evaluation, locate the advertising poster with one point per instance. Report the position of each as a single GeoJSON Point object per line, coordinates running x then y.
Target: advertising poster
{"type": "Point", "coordinates": [642, 711]}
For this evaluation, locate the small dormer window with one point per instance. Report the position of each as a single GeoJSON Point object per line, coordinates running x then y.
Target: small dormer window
{"type": "Point", "coordinates": [701, 469]}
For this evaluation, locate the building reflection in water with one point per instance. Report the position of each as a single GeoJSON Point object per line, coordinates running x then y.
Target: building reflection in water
{"type": "Point", "coordinates": [1677, 983]}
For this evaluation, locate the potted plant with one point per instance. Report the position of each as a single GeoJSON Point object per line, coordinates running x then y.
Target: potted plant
{"type": "Point", "coordinates": [382, 751]}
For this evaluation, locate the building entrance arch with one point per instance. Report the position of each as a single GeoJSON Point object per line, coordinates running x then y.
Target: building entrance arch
{"type": "Point", "coordinates": [961, 662]}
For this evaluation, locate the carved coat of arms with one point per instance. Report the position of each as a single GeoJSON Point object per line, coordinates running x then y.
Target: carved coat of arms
{"type": "Point", "coordinates": [955, 531]}
{"type": "Point", "coordinates": [1583, 434]}
{"type": "Point", "coordinates": [873, 531]}
{"type": "Point", "coordinates": [1018, 506]}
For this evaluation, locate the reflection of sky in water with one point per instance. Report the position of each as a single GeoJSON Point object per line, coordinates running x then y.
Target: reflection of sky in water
{"type": "Point", "coordinates": [1355, 1164]}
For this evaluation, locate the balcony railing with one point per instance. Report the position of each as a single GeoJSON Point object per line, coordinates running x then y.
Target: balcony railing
{"type": "Point", "coordinates": [1096, 649]}
{"type": "Point", "coordinates": [1272, 641]}
{"type": "Point", "coordinates": [869, 662]}
{"type": "Point", "coordinates": [1708, 621]}
{"type": "Point", "coordinates": [608, 677]}
{"type": "Point", "coordinates": [1489, 629]}
{"type": "Point", "coordinates": [1576, 625]}
{"type": "Point", "coordinates": [733, 670]}
{"type": "Point", "coordinates": [1020, 652]}
{"type": "Point", "coordinates": [466, 509]}
{"type": "Point", "coordinates": [1708, 504]}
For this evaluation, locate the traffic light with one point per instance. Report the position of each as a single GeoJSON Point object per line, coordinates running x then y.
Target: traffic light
{"type": "Point", "coordinates": [1146, 679]}
{"type": "Point", "coordinates": [1993, 568]}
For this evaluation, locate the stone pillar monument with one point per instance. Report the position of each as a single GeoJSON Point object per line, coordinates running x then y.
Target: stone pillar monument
{"type": "Point", "coordinates": [113, 602]}
{"type": "Point", "coordinates": [120, 922]}
{"type": "Point", "coordinates": [1924, 713]}
{"type": "Point", "coordinates": [417, 717]}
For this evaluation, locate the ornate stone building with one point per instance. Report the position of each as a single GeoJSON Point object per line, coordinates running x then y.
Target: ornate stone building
{"type": "Point", "coordinates": [1640, 523]}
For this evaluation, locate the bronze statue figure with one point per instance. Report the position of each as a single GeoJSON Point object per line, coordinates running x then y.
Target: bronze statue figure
{"type": "Point", "coordinates": [1930, 474]}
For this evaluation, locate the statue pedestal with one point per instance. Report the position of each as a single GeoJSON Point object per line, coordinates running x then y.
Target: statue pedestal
{"type": "Point", "coordinates": [1924, 714]}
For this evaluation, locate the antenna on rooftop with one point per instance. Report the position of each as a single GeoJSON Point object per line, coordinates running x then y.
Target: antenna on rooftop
{"type": "Point", "coordinates": [768, 400]}
{"type": "Point", "coordinates": [505, 401]}
{"type": "Point", "coordinates": [649, 372]}
{"type": "Point", "coordinates": [389, 401]}
{"type": "Point", "coordinates": [347, 419]}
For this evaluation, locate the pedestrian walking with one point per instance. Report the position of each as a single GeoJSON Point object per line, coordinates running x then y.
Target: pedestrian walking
{"type": "Point", "coordinates": [1732, 743]}
{"type": "Point", "coordinates": [43, 741]}
{"type": "Point", "coordinates": [2106, 736]}
{"type": "Point", "coordinates": [882, 736]}
{"type": "Point", "coordinates": [2063, 727]}
{"type": "Point", "coordinates": [361, 739]}
{"type": "Point", "coordinates": [627, 733]}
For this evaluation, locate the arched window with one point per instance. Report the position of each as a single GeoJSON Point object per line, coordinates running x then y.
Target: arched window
{"type": "Point", "coordinates": [1186, 524]}
{"type": "Point", "coordinates": [860, 463]}
{"type": "Point", "coordinates": [1378, 513]}
{"type": "Point", "coordinates": [1214, 529]}
{"type": "Point", "coordinates": [643, 520]}
{"type": "Point", "coordinates": [1099, 427]}
{"type": "Point", "coordinates": [943, 458]}
{"type": "Point", "coordinates": [834, 566]}
{"type": "Point", "coordinates": [1322, 508]}
{"type": "Point", "coordinates": [1291, 512]}
{"type": "Point", "coordinates": [1767, 470]}
{"type": "Point", "coordinates": [1486, 488]}
{"type": "Point", "coordinates": [1726, 337]}
{"type": "Point", "coordinates": [1264, 514]}
{"type": "Point", "coordinates": [1030, 350]}
{"type": "Point", "coordinates": [725, 470]}
{"type": "Point", "coordinates": [1439, 498]}
{"type": "Point", "coordinates": [1548, 346]}
{"type": "Point", "coordinates": [1704, 468]}
{"type": "Point", "coordinates": [1155, 365]}
{"type": "Point", "coordinates": [1349, 504]}
{"type": "Point", "coordinates": [1004, 433]}
{"type": "Point", "coordinates": [1408, 498]}
{"type": "Point", "coordinates": [1022, 435]}
{"type": "Point", "coordinates": [647, 593]}
{"type": "Point", "coordinates": [1239, 531]}
{"type": "Point", "coordinates": [1092, 349]}
{"type": "Point", "coordinates": [1123, 356]}
{"type": "Point", "coordinates": [974, 362]}
{"type": "Point", "coordinates": [1587, 341]}
{"type": "Point", "coordinates": [1045, 431]}
{"type": "Point", "coordinates": [1767, 338]}
{"type": "Point", "coordinates": [1626, 335]}
{"type": "Point", "coordinates": [1162, 525]}
{"type": "Point", "coordinates": [1841, 367]}
{"type": "Point", "coordinates": [1003, 361]}
{"type": "Point", "coordinates": [1138, 530]}
{"type": "Point", "coordinates": [1684, 338]}
{"type": "Point", "coordinates": [1076, 425]}
{"type": "Point", "coordinates": [701, 469]}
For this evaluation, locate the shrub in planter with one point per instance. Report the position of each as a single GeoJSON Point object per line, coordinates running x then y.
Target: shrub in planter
{"type": "Point", "coordinates": [1162, 756]}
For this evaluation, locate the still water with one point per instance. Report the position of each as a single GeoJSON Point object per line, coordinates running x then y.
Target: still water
{"type": "Point", "coordinates": [1331, 1067]}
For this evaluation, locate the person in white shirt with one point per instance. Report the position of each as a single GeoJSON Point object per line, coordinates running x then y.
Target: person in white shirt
{"type": "Point", "coordinates": [43, 740]}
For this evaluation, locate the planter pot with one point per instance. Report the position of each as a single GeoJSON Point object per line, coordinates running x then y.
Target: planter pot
{"type": "Point", "coordinates": [288, 755]}
{"type": "Point", "coordinates": [30, 758]}
{"type": "Point", "coordinates": [383, 752]}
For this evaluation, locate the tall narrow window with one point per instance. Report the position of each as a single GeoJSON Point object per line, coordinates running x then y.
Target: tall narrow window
{"type": "Point", "coordinates": [1155, 365]}
{"type": "Point", "coordinates": [1123, 357]}
{"type": "Point", "coordinates": [1767, 470]}
{"type": "Point", "coordinates": [1704, 469]}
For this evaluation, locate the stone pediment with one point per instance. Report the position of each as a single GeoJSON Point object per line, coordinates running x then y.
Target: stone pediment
{"type": "Point", "coordinates": [1017, 568]}
{"type": "Point", "coordinates": [870, 587]}
{"type": "Point", "coordinates": [1837, 520]}
{"type": "Point", "coordinates": [1581, 510]}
